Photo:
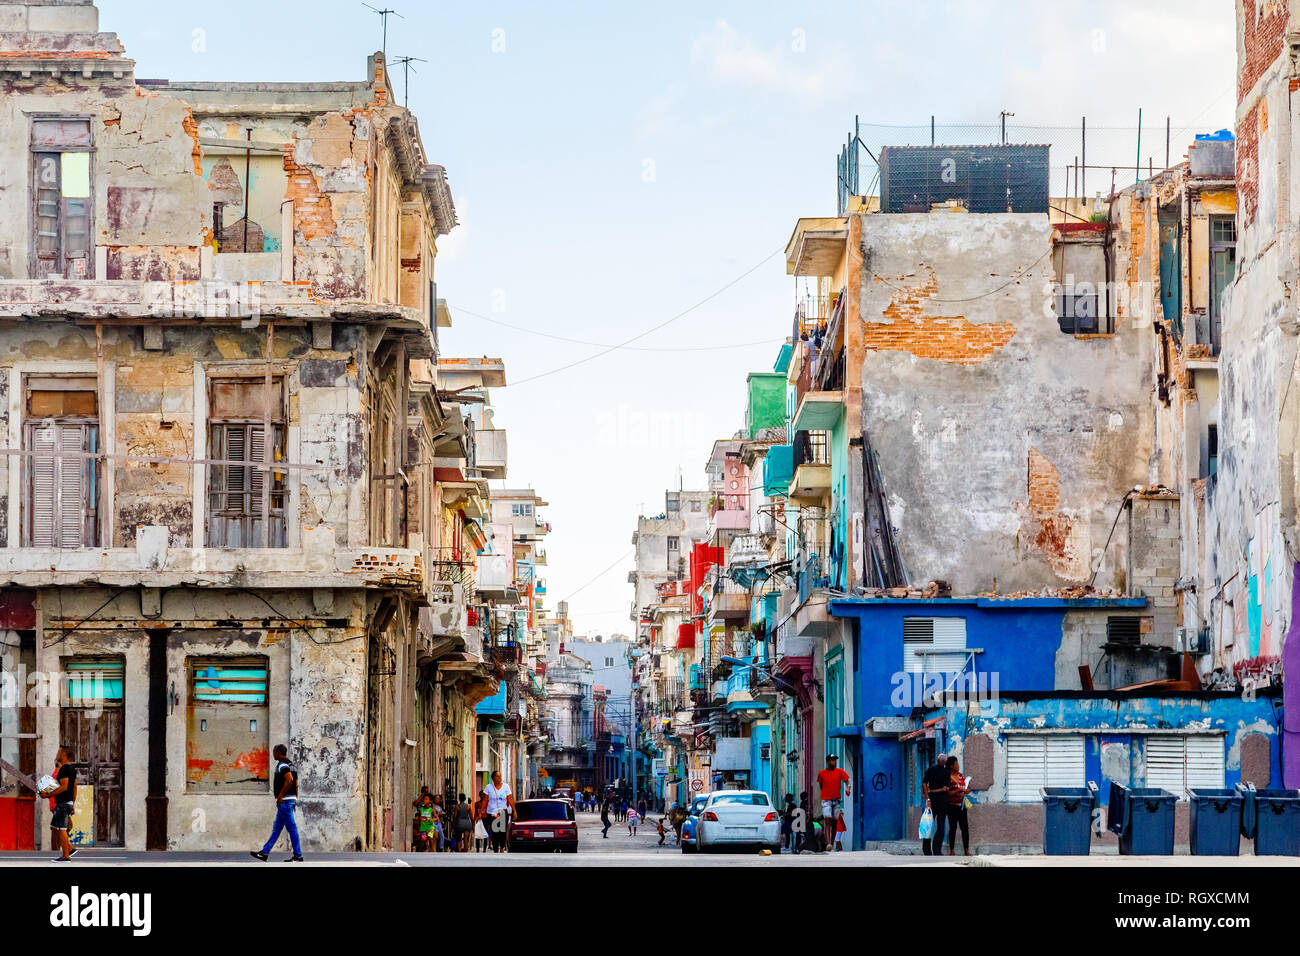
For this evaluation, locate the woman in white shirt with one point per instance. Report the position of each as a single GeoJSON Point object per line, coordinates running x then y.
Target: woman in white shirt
{"type": "Point", "coordinates": [499, 807]}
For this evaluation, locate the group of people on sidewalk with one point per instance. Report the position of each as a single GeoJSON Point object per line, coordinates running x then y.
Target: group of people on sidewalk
{"type": "Point", "coordinates": [478, 826]}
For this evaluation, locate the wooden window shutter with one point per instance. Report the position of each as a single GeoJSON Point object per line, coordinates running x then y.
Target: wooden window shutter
{"type": "Point", "coordinates": [61, 490]}
{"type": "Point", "coordinates": [72, 511]}
{"type": "Point", "coordinates": [43, 498]}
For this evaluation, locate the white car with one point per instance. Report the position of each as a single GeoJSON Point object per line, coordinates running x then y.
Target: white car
{"type": "Point", "coordinates": [738, 818]}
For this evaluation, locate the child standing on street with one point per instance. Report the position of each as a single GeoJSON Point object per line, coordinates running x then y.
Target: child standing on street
{"type": "Point", "coordinates": [633, 818]}
{"type": "Point", "coordinates": [840, 830]}
{"type": "Point", "coordinates": [663, 831]}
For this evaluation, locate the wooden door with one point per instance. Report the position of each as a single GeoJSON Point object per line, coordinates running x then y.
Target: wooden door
{"type": "Point", "coordinates": [95, 735]}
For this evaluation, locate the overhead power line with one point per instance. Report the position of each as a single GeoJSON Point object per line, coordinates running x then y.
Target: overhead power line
{"type": "Point", "coordinates": [606, 345]}
{"type": "Point", "coordinates": [668, 321]}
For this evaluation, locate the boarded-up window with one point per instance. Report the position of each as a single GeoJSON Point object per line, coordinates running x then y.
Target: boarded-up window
{"type": "Point", "coordinates": [238, 409]}
{"type": "Point", "coordinates": [1177, 763]}
{"type": "Point", "coordinates": [227, 739]}
{"type": "Point", "coordinates": [62, 198]}
{"type": "Point", "coordinates": [61, 488]}
{"type": "Point", "coordinates": [1042, 760]}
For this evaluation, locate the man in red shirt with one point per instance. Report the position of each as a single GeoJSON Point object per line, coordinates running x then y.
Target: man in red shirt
{"type": "Point", "coordinates": [833, 783]}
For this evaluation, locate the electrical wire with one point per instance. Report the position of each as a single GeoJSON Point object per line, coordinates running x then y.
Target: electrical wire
{"type": "Point", "coordinates": [298, 624]}
{"type": "Point", "coordinates": [601, 574]}
{"type": "Point", "coordinates": [971, 298]}
{"type": "Point", "coordinates": [687, 311]}
{"type": "Point", "coordinates": [89, 617]}
{"type": "Point", "coordinates": [629, 348]}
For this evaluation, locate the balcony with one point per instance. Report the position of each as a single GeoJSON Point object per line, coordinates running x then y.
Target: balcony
{"type": "Point", "coordinates": [490, 454]}
{"type": "Point", "coordinates": [816, 246]}
{"type": "Point", "coordinates": [820, 392]}
{"type": "Point", "coordinates": [507, 653]}
{"type": "Point", "coordinates": [729, 601]}
{"type": "Point", "coordinates": [316, 563]}
{"type": "Point", "coordinates": [812, 472]}
{"type": "Point", "coordinates": [790, 644]}
{"type": "Point", "coordinates": [747, 551]}
{"type": "Point", "coordinates": [730, 519]}
{"type": "Point", "coordinates": [493, 577]}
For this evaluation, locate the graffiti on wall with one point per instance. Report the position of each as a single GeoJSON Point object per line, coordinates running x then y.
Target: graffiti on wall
{"type": "Point", "coordinates": [1254, 619]}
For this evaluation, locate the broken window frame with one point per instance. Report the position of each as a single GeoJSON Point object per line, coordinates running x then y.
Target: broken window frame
{"type": "Point", "coordinates": [384, 523]}
{"type": "Point", "coordinates": [1066, 302]}
{"type": "Point", "coordinates": [253, 710]}
{"type": "Point", "coordinates": [68, 211]}
{"type": "Point", "coordinates": [1222, 251]}
{"type": "Point", "coordinates": [78, 434]}
{"type": "Point", "coordinates": [221, 517]}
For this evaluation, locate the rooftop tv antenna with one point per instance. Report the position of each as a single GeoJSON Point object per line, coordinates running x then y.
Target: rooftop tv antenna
{"type": "Point", "coordinates": [405, 63]}
{"type": "Point", "coordinates": [383, 15]}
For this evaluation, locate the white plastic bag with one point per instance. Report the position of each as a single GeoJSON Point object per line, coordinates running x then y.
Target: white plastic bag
{"type": "Point", "coordinates": [927, 824]}
{"type": "Point", "coordinates": [480, 831]}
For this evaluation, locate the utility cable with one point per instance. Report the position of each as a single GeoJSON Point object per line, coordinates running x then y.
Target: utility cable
{"type": "Point", "coordinates": [971, 298]}
{"type": "Point", "coordinates": [603, 345]}
{"type": "Point", "coordinates": [601, 574]}
{"type": "Point", "coordinates": [687, 311]}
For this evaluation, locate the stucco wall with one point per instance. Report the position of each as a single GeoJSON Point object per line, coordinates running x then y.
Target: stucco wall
{"type": "Point", "coordinates": [1005, 445]}
{"type": "Point", "coordinates": [316, 699]}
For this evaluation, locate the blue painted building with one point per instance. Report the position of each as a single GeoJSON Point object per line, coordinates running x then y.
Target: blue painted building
{"type": "Point", "coordinates": [996, 683]}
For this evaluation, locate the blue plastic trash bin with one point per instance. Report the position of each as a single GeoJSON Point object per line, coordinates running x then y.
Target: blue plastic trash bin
{"type": "Point", "coordinates": [1144, 819]}
{"type": "Point", "coordinates": [1277, 822]}
{"type": "Point", "coordinates": [1215, 821]}
{"type": "Point", "coordinates": [1067, 819]}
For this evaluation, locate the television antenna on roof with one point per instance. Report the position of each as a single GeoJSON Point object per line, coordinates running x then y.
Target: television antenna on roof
{"type": "Point", "coordinates": [405, 63]}
{"type": "Point", "coordinates": [383, 15]}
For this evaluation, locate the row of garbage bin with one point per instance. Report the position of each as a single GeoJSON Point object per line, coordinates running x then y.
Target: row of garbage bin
{"type": "Point", "coordinates": [1143, 818]}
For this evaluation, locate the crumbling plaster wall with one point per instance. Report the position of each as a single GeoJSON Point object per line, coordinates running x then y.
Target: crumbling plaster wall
{"type": "Point", "coordinates": [150, 208]}
{"type": "Point", "coordinates": [1005, 445]}
{"type": "Point", "coordinates": [316, 699]}
{"type": "Point", "coordinates": [1253, 502]}
{"type": "Point", "coordinates": [160, 412]}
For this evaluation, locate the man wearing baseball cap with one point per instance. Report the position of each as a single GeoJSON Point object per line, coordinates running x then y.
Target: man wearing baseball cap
{"type": "Point", "coordinates": [833, 783]}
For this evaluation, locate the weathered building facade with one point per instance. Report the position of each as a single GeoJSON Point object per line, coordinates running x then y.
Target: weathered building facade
{"type": "Point", "coordinates": [221, 518]}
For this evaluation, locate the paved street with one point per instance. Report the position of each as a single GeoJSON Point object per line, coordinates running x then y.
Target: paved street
{"type": "Point", "coordinates": [622, 849]}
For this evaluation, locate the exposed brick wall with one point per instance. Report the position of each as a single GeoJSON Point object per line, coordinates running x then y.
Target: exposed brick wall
{"type": "Point", "coordinates": [946, 338]}
{"type": "Point", "coordinates": [1046, 528]}
{"type": "Point", "coordinates": [312, 213]}
{"type": "Point", "coordinates": [1247, 161]}
{"type": "Point", "coordinates": [1263, 27]}
{"type": "Point", "coordinates": [1263, 31]}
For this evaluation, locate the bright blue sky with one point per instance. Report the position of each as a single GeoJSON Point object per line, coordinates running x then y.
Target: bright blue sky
{"type": "Point", "coordinates": [547, 143]}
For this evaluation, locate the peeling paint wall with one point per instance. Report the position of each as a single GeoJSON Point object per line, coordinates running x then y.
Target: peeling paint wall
{"type": "Point", "coordinates": [1005, 445]}
{"type": "Point", "coordinates": [316, 695]}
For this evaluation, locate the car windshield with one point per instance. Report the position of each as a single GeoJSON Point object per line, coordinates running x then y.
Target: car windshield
{"type": "Point", "coordinates": [527, 810]}
{"type": "Point", "coordinates": [698, 804]}
{"type": "Point", "coordinates": [741, 799]}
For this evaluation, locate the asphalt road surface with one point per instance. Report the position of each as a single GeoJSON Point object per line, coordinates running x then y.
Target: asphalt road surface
{"type": "Point", "coordinates": [620, 848]}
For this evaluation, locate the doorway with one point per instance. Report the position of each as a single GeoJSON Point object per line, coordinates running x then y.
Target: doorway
{"type": "Point", "coordinates": [92, 722]}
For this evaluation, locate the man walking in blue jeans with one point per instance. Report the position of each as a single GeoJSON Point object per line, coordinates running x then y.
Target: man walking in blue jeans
{"type": "Point", "coordinates": [286, 800]}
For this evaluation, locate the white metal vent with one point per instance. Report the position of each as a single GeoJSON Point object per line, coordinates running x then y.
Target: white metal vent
{"type": "Point", "coordinates": [1049, 760]}
{"type": "Point", "coordinates": [1176, 763]}
{"type": "Point", "coordinates": [929, 635]}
